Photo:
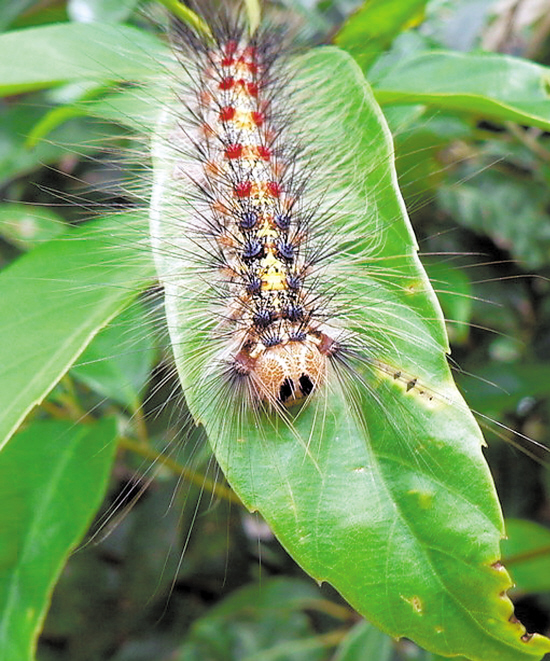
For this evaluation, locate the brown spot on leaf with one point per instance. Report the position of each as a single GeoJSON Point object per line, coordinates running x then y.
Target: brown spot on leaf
{"type": "Point", "coordinates": [411, 384]}
{"type": "Point", "coordinates": [527, 637]}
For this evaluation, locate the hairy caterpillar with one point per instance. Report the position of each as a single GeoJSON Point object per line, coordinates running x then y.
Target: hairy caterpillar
{"type": "Point", "coordinates": [395, 383]}
{"type": "Point", "coordinates": [251, 209]}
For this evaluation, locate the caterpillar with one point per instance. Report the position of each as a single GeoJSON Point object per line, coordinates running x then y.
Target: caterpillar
{"type": "Point", "coordinates": [247, 184]}
{"type": "Point", "coordinates": [297, 311]}
{"type": "Point", "coordinates": [252, 220]}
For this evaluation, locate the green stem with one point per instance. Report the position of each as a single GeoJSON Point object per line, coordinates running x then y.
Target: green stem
{"type": "Point", "coordinates": [254, 13]}
{"type": "Point", "coordinates": [191, 476]}
{"type": "Point", "coordinates": [187, 16]}
{"type": "Point", "coordinates": [526, 556]}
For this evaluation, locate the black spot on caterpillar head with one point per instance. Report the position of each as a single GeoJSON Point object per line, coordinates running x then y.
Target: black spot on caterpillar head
{"type": "Point", "coordinates": [252, 249]}
{"type": "Point", "coordinates": [306, 385]}
{"type": "Point", "coordinates": [262, 318]}
{"type": "Point", "coordinates": [293, 312]}
{"type": "Point", "coordinates": [285, 251]}
{"type": "Point", "coordinates": [286, 391]}
{"type": "Point", "coordinates": [282, 221]}
{"type": "Point", "coordinates": [291, 391]}
{"type": "Point", "coordinates": [247, 220]}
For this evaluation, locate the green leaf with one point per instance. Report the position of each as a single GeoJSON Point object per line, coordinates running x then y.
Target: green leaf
{"type": "Point", "coordinates": [527, 552]}
{"type": "Point", "coordinates": [454, 292]}
{"type": "Point", "coordinates": [134, 108]}
{"type": "Point", "coordinates": [41, 57]}
{"type": "Point", "coordinates": [17, 159]}
{"type": "Point", "coordinates": [257, 623]}
{"type": "Point", "coordinates": [513, 215]}
{"type": "Point", "coordinates": [498, 87]}
{"type": "Point", "coordinates": [27, 226]}
{"type": "Point", "coordinates": [365, 643]}
{"type": "Point", "coordinates": [11, 9]}
{"type": "Point", "coordinates": [372, 29]}
{"type": "Point", "coordinates": [497, 390]}
{"type": "Point", "coordinates": [53, 475]}
{"type": "Point", "coordinates": [55, 299]}
{"type": "Point", "coordinates": [378, 485]}
{"type": "Point", "coordinates": [110, 11]}
{"type": "Point", "coordinates": [118, 361]}
{"type": "Point", "coordinates": [137, 109]}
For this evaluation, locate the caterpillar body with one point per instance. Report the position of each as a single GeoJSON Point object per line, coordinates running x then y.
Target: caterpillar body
{"type": "Point", "coordinates": [263, 246]}
{"type": "Point", "coordinates": [252, 215]}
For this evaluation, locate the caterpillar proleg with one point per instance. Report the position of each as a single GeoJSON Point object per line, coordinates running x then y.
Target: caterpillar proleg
{"type": "Point", "coordinates": [310, 346]}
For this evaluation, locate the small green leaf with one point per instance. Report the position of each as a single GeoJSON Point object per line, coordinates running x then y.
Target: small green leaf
{"type": "Point", "coordinates": [378, 485]}
{"type": "Point", "coordinates": [500, 87]}
{"type": "Point", "coordinates": [55, 299]}
{"type": "Point", "coordinates": [257, 623]}
{"type": "Point", "coordinates": [41, 57]}
{"type": "Point", "coordinates": [109, 11]}
{"type": "Point", "coordinates": [374, 26]}
{"type": "Point", "coordinates": [53, 475]}
{"type": "Point", "coordinates": [527, 552]}
{"type": "Point", "coordinates": [118, 361]}
{"type": "Point", "coordinates": [27, 226]}
{"type": "Point", "coordinates": [365, 643]}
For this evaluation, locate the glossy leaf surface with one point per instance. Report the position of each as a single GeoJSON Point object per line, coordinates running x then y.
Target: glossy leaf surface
{"type": "Point", "coordinates": [55, 299]}
{"type": "Point", "coordinates": [53, 475]}
{"type": "Point", "coordinates": [35, 58]}
{"type": "Point", "coordinates": [487, 85]}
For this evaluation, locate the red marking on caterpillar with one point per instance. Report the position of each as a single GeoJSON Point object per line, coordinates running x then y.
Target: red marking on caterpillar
{"type": "Point", "coordinates": [273, 188]}
{"type": "Point", "coordinates": [234, 151]}
{"type": "Point", "coordinates": [263, 152]}
{"type": "Point", "coordinates": [257, 117]}
{"type": "Point", "coordinates": [226, 83]}
{"type": "Point", "coordinates": [243, 189]}
{"type": "Point", "coordinates": [227, 114]}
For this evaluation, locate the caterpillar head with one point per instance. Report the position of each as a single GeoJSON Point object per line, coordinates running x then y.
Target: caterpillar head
{"type": "Point", "coordinates": [286, 373]}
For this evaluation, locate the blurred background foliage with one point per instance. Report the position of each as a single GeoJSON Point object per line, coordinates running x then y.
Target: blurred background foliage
{"type": "Point", "coordinates": [183, 571]}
